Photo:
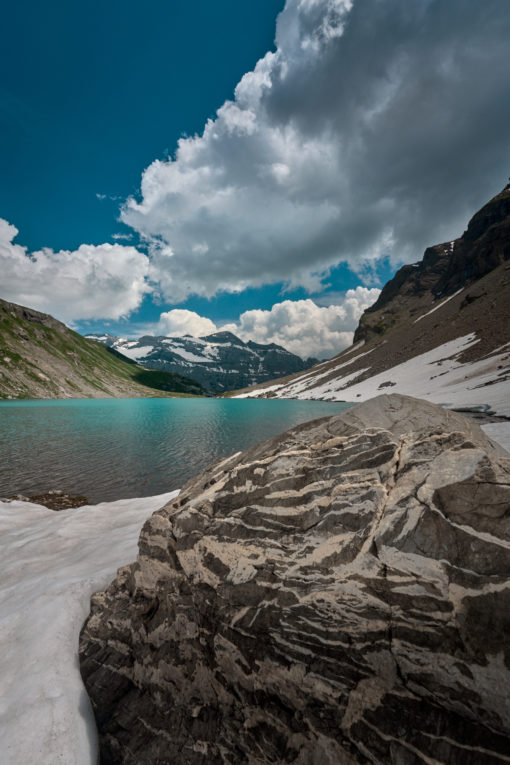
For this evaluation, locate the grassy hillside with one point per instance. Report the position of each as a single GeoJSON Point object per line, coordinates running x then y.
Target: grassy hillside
{"type": "Point", "coordinates": [42, 358]}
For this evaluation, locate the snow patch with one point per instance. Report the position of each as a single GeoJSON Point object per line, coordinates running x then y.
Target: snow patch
{"type": "Point", "coordinates": [134, 352]}
{"type": "Point", "coordinates": [442, 303]}
{"type": "Point", "coordinates": [190, 356]}
{"type": "Point", "coordinates": [436, 376]}
{"type": "Point", "coordinates": [52, 562]}
{"type": "Point", "coordinates": [499, 432]}
{"type": "Point", "coordinates": [259, 391]}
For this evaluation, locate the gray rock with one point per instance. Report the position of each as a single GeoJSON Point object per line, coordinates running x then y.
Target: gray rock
{"type": "Point", "coordinates": [339, 594]}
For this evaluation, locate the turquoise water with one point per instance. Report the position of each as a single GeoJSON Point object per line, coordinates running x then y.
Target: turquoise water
{"type": "Point", "coordinates": [109, 449]}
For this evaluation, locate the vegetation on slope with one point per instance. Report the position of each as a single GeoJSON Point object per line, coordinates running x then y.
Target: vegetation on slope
{"type": "Point", "coordinates": [42, 358]}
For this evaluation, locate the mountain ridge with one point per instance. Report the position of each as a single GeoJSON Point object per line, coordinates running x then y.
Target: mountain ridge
{"type": "Point", "coordinates": [42, 358]}
{"type": "Point", "coordinates": [439, 330]}
{"type": "Point", "coordinates": [219, 361]}
{"type": "Point", "coordinates": [444, 268]}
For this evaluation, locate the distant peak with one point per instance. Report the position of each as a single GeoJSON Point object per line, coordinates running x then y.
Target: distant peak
{"type": "Point", "coordinates": [222, 337]}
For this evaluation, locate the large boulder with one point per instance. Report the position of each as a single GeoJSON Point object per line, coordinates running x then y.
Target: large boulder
{"type": "Point", "coordinates": [338, 594]}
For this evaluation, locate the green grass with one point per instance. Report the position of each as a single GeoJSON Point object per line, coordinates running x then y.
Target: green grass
{"type": "Point", "coordinates": [96, 365]}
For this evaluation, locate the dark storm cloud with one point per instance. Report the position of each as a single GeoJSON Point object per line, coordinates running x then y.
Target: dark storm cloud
{"type": "Point", "coordinates": [375, 129]}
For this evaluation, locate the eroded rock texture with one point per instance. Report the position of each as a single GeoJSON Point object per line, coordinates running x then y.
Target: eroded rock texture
{"type": "Point", "coordinates": [339, 594]}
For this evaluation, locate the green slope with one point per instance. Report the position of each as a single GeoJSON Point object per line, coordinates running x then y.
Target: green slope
{"type": "Point", "coordinates": [42, 358]}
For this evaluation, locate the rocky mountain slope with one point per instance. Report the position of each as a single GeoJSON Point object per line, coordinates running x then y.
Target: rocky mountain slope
{"type": "Point", "coordinates": [439, 330]}
{"type": "Point", "coordinates": [219, 362]}
{"type": "Point", "coordinates": [42, 358]}
{"type": "Point", "coordinates": [338, 594]}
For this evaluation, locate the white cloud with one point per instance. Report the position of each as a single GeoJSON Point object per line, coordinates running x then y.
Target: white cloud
{"type": "Point", "coordinates": [104, 281]}
{"type": "Point", "coordinates": [305, 328]}
{"type": "Point", "coordinates": [375, 128]}
{"type": "Point", "coordinates": [301, 326]}
{"type": "Point", "coordinates": [179, 322]}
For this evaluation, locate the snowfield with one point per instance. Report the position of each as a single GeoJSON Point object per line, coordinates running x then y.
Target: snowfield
{"type": "Point", "coordinates": [51, 563]}
{"type": "Point", "coordinates": [436, 376]}
{"type": "Point", "coordinates": [499, 432]}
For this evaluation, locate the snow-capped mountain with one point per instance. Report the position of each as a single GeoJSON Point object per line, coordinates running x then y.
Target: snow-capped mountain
{"type": "Point", "coordinates": [220, 362]}
{"type": "Point", "coordinates": [440, 329]}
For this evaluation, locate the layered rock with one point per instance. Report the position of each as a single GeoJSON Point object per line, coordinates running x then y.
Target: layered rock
{"type": "Point", "coordinates": [338, 594]}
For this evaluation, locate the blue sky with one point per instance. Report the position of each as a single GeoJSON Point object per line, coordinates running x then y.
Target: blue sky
{"type": "Point", "coordinates": [261, 171]}
{"type": "Point", "coordinates": [91, 94]}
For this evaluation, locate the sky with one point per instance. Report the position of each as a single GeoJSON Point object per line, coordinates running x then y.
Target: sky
{"type": "Point", "coordinates": [262, 167]}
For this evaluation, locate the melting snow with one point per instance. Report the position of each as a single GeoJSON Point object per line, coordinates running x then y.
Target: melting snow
{"type": "Point", "coordinates": [255, 393]}
{"type": "Point", "coordinates": [436, 376]}
{"type": "Point", "coordinates": [190, 356]}
{"type": "Point", "coordinates": [132, 351]}
{"type": "Point", "coordinates": [52, 562]}
{"type": "Point", "coordinates": [443, 302]}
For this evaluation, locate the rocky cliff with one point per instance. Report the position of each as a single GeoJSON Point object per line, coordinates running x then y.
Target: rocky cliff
{"type": "Point", "coordinates": [444, 269]}
{"type": "Point", "coordinates": [42, 358]}
{"type": "Point", "coordinates": [339, 594]}
{"type": "Point", "coordinates": [440, 329]}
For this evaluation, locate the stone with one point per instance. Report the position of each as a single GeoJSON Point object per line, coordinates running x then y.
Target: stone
{"type": "Point", "coordinates": [338, 594]}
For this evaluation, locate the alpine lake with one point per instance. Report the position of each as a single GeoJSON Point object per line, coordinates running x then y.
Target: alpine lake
{"type": "Point", "coordinates": [108, 449]}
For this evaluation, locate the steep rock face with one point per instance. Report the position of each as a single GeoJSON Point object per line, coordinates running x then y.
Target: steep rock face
{"type": "Point", "coordinates": [445, 268]}
{"type": "Point", "coordinates": [338, 594]}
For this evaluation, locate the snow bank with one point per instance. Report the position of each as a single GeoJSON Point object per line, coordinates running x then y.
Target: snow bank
{"type": "Point", "coordinates": [51, 563]}
{"type": "Point", "coordinates": [438, 376]}
{"type": "Point", "coordinates": [499, 432]}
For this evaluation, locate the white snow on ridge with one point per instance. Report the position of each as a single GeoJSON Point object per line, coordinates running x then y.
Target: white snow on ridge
{"type": "Point", "coordinates": [308, 380]}
{"type": "Point", "coordinates": [52, 562]}
{"type": "Point", "coordinates": [97, 338]}
{"type": "Point", "coordinates": [139, 352]}
{"type": "Point", "coordinates": [188, 356]}
{"type": "Point", "coordinates": [442, 303]}
{"type": "Point", "coordinates": [209, 351]}
{"type": "Point", "coordinates": [254, 393]}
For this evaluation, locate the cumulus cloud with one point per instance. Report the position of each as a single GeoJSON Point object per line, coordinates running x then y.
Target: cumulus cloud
{"type": "Point", "coordinates": [374, 129]}
{"type": "Point", "coordinates": [104, 281]}
{"type": "Point", "coordinates": [179, 322]}
{"type": "Point", "coordinates": [301, 326]}
{"type": "Point", "coordinates": [305, 328]}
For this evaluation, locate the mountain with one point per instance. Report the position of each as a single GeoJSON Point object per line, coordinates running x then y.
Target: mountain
{"type": "Point", "coordinates": [440, 329]}
{"type": "Point", "coordinates": [220, 362]}
{"type": "Point", "coordinates": [337, 595]}
{"type": "Point", "coordinates": [42, 358]}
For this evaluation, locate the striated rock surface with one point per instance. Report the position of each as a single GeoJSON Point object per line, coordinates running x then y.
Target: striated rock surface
{"type": "Point", "coordinates": [339, 594]}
